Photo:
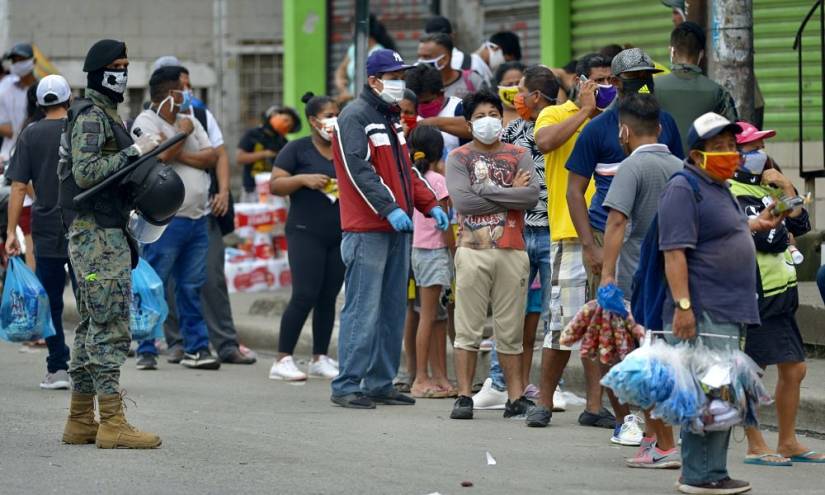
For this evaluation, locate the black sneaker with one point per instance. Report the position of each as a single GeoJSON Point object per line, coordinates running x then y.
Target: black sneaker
{"type": "Point", "coordinates": [201, 360]}
{"type": "Point", "coordinates": [175, 355]}
{"type": "Point", "coordinates": [463, 408]}
{"type": "Point", "coordinates": [147, 362]}
{"type": "Point", "coordinates": [519, 408]}
{"type": "Point", "coordinates": [604, 419]}
{"type": "Point", "coordinates": [725, 486]}
{"type": "Point", "coordinates": [353, 401]}
{"type": "Point", "coordinates": [235, 356]}
{"type": "Point", "coordinates": [538, 417]}
{"type": "Point", "coordinates": [393, 398]}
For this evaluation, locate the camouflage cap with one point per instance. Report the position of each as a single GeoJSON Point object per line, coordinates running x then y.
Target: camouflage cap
{"type": "Point", "coordinates": [632, 60]}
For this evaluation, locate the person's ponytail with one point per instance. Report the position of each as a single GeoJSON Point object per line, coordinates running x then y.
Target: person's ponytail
{"type": "Point", "coordinates": [426, 147]}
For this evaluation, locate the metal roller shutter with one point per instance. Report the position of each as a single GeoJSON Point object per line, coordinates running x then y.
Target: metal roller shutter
{"type": "Point", "coordinates": [644, 23]}
{"type": "Point", "coordinates": [404, 19]}
{"type": "Point", "coordinates": [521, 18]}
{"type": "Point", "coordinates": [775, 25]}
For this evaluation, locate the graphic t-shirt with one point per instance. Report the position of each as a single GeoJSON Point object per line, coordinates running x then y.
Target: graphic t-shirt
{"type": "Point", "coordinates": [254, 140]}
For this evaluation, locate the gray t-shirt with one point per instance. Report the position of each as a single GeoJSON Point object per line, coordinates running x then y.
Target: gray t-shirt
{"type": "Point", "coordinates": [635, 192]}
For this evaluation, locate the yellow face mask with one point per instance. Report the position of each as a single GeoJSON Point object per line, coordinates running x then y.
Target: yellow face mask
{"type": "Point", "coordinates": [508, 95]}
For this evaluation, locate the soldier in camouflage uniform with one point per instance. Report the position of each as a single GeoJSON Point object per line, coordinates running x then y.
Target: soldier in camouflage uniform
{"type": "Point", "coordinates": [100, 252]}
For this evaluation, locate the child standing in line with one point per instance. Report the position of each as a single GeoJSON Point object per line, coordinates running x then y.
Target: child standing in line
{"type": "Point", "coordinates": [432, 267]}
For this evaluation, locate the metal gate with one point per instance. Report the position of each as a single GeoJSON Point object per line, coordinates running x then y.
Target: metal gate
{"type": "Point", "coordinates": [520, 17]}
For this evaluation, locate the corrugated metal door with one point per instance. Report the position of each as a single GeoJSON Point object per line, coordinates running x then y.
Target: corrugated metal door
{"type": "Point", "coordinates": [519, 17]}
{"type": "Point", "coordinates": [644, 23]}
{"type": "Point", "coordinates": [404, 20]}
{"type": "Point", "coordinates": [775, 25]}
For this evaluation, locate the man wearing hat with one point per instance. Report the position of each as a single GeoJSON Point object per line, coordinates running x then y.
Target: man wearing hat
{"type": "Point", "coordinates": [13, 101]}
{"type": "Point", "coordinates": [708, 246]}
{"type": "Point", "coordinates": [678, 9]}
{"type": "Point", "coordinates": [597, 156]}
{"type": "Point", "coordinates": [100, 254]}
{"type": "Point", "coordinates": [687, 93]}
{"type": "Point", "coordinates": [378, 190]}
{"type": "Point", "coordinates": [35, 160]}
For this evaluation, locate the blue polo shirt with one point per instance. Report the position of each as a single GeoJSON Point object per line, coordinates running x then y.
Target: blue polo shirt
{"type": "Point", "coordinates": [598, 153]}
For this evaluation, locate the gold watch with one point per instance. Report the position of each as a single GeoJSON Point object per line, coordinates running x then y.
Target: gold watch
{"type": "Point", "coordinates": [683, 304]}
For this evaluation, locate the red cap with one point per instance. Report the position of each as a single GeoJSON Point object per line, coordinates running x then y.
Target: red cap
{"type": "Point", "coordinates": [750, 133]}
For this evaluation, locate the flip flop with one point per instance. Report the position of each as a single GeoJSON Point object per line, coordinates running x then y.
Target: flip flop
{"type": "Point", "coordinates": [760, 460]}
{"type": "Point", "coordinates": [431, 393]}
{"type": "Point", "coordinates": [809, 456]}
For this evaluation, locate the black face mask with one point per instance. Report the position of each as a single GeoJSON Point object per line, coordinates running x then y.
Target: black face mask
{"type": "Point", "coordinates": [630, 86]}
{"type": "Point", "coordinates": [109, 87]}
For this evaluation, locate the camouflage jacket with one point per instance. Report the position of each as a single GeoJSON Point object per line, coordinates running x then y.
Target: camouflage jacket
{"type": "Point", "coordinates": [95, 151]}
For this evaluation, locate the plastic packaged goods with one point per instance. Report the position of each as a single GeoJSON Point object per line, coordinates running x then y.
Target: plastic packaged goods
{"type": "Point", "coordinates": [24, 313]}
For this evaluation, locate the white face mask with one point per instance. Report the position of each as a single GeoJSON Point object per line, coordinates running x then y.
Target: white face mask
{"type": "Point", "coordinates": [327, 125]}
{"type": "Point", "coordinates": [115, 80]}
{"type": "Point", "coordinates": [434, 62]}
{"type": "Point", "coordinates": [495, 55]}
{"type": "Point", "coordinates": [487, 129]}
{"type": "Point", "coordinates": [393, 91]}
{"type": "Point", "coordinates": [171, 101]}
{"type": "Point", "coordinates": [22, 67]}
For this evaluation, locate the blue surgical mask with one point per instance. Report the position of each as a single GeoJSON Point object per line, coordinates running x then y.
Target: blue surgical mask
{"type": "Point", "coordinates": [186, 104]}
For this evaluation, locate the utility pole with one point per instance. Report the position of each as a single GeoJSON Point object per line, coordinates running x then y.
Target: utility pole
{"type": "Point", "coordinates": [362, 33]}
{"type": "Point", "coordinates": [697, 11]}
{"type": "Point", "coordinates": [730, 51]}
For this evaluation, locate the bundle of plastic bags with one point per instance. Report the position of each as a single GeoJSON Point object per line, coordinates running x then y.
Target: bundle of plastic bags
{"type": "Point", "coordinates": [693, 386]}
{"type": "Point", "coordinates": [24, 313]}
{"type": "Point", "coordinates": [148, 306]}
{"type": "Point", "coordinates": [605, 327]}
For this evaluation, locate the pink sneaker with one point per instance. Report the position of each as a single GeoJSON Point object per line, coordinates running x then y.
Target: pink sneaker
{"type": "Point", "coordinates": [531, 392]}
{"type": "Point", "coordinates": [653, 458]}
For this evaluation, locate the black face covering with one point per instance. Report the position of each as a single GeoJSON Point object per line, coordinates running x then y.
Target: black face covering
{"type": "Point", "coordinates": [95, 80]}
{"type": "Point", "coordinates": [634, 85]}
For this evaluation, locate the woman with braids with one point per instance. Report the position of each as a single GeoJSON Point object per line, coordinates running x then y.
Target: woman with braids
{"type": "Point", "coordinates": [432, 266]}
{"type": "Point", "coordinates": [303, 171]}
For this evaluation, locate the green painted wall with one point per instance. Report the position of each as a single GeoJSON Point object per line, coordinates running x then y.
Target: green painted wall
{"type": "Point", "coordinates": [555, 32]}
{"type": "Point", "coordinates": [305, 51]}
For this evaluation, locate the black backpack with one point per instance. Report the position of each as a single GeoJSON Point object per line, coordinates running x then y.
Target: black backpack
{"type": "Point", "coordinates": [226, 222]}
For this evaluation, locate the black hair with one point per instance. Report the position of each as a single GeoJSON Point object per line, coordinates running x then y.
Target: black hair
{"type": "Point", "coordinates": [540, 78]}
{"type": "Point", "coordinates": [424, 78]}
{"type": "Point", "coordinates": [162, 81]}
{"type": "Point", "coordinates": [439, 39]}
{"type": "Point", "coordinates": [429, 141]}
{"type": "Point", "coordinates": [314, 104]}
{"type": "Point", "coordinates": [570, 67]}
{"type": "Point", "coordinates": [611, 50]}
{"type": "Point", "coordinates": [590, 61]}
{"type": "Point", "coordinates": [33, 111]}
{"type": "Point", "coordinates": [438, 24]}
{"type": "Point", "coordinates": [688, 39]}
{"type": "Point", "coordinates": [509, 43]}
{"type": "Point", "coordinates": [505, 68]}
{"type": "Point", "coordinates": [473, 100]}
{"type": "Point", "coordinates": [379, 33]}
{"type": "Point", "coordinates": [411, 96]}
{"type": "Point", "coordinates": [640, 112]}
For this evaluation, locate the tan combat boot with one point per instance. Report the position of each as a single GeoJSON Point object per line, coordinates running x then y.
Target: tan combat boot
{"type": "Point", "coordinates": [115, 432]}
{"type": "Point", "coordinates": [81, 427]}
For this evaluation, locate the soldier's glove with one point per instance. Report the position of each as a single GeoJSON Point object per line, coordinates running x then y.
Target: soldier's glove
{"type": "Point", "coordinates": [146, 143]}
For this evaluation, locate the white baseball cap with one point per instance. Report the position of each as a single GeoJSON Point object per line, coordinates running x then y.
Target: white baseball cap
{"type": "Point", "coordinates": [52, 90]}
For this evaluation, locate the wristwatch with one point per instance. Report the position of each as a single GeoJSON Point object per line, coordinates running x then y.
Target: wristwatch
{"type": "Point", "coordinates": [683, 304]}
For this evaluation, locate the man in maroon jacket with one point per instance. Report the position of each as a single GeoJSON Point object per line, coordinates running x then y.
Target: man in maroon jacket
{"type": "Point", "coordinates": [378, 189]}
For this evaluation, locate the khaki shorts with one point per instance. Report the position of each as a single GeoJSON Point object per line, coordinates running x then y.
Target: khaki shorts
{"type": "Point", "coordinates": [491, 277]}
{"type": "Point", "coordinates": [567, 290]}
{"type": "Point", "coordinates": [593, 281]}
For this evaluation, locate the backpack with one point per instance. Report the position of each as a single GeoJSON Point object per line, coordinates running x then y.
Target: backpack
{"type": "Point", "coordinates": [467, 61]}
{"type": "Point", "coordinates": [649, 283]}
{"type": "Point", "coordinates": [465, 74]}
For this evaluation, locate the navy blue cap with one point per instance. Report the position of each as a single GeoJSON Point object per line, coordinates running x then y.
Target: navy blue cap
{"type": "Point", "coordinates": [383, 61]}
{"type": "Point", "coordinates": [23, 50]}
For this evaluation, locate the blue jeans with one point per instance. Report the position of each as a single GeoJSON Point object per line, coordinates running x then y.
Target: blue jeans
{"type": "Point", "coordinates": [820, 281]}
{"type": "Point", "coordinates": [705, 457]}
{"type": "Point", "coordinates": [52, 274]}
{"type": "Point", "coordinates": [537, 243]}
{"type": "Point", "coordinates": [372, 320]}
{"type": "Point", "coordinates": [181, 253]}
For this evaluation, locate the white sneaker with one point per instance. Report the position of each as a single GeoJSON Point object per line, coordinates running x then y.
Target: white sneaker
{"type": "Point", "coordinates": [322, 369]}
{"type": "Point", "coordinates": [285, 369]}
{"type": "Point", "coordinates": [331, 361]}
{"type": "Point", "coordinates": [630, 433]}
{"type": "Point", "coordinates": [488, 397]}
{"type": "Point", "coordinates": [56, 381]}
{"type": "Point", "coordinates": [559, 402]}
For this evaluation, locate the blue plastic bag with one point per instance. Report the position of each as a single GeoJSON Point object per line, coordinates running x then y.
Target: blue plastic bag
{"type": "Point", "coordinates": [611, 298]}
{"type": "Point", "coordinates": [24, 313]}
{"type": "Point", "coordinates": [148, 306]}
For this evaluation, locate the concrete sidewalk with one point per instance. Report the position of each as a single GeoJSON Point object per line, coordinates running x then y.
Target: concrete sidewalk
{"type": "Point", "coordinates": [258, 318]}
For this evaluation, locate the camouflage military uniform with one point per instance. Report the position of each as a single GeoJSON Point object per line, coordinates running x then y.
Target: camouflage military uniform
{"type": "Point", "coordinates": [100, 258]}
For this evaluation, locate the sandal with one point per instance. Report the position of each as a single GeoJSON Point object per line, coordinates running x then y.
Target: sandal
{"type": "Point", "coordinates": [431, 393]}
{"type": "Point", "coordinates": [762, 460]}
{"type": "Point", "coordinates": [810, 456]}
{"type": "Point", "coordinates": [402, 387]}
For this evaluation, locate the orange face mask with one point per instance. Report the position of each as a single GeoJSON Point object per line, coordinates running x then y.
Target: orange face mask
{"type": "Point", "coordinates": [521, 108]}
{"type": "Point", "coordinates": [281, 124]}
{"type": "Point", "coordinates": [722, 164]}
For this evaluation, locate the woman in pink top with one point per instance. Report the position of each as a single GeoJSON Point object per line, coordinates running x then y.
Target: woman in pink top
{"type": "Point", "coordinates": [432, 266]}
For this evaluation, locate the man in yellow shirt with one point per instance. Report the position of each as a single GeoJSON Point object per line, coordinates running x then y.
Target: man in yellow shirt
{"type": "Point", "coordinates": [557, 128]}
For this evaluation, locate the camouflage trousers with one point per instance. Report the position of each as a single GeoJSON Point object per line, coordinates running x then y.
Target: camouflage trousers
{"type": "Point", "coordinates": [102, 263]}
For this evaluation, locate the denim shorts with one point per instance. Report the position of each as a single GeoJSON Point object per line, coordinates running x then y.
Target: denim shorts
{"type": "Point", "coordinates": [432, 267]}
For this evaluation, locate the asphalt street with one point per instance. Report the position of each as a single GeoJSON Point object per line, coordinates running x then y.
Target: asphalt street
{"type": "Point", "coordinates": [235, 431]}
